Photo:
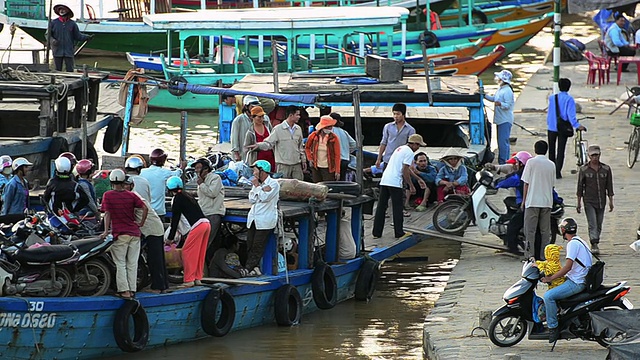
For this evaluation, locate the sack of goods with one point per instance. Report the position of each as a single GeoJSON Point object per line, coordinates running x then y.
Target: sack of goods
{"type": "Point", "coordinates": [295, 190]}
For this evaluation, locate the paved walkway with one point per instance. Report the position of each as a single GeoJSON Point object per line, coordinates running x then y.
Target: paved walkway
{"type": "Point", "coordinates": [481, 277]}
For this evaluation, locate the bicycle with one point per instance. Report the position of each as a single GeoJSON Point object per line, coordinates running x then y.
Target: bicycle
{"type": "Point", "coordinates": [581, 145]}
{"type": "Point", "coordinates": [633, 145]}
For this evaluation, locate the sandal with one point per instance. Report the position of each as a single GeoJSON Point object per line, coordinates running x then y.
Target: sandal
{"type": "Point", "coordinates": [405, 213]}
{"type": "Point", "coordinates": [186, 285]}
{"type": "Point", "coordinates": [124, 295]}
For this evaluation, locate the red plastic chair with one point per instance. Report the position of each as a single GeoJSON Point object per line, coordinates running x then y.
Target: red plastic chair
{"type": "Point", "coordinates": [599, 65]}
{"type": "Point", "coordinates": [603, 50]}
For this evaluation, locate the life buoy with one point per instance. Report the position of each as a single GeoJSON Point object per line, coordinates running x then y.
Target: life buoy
{"type": "Point", "coordinates": [113, 136]}
{"type": "Point", "coordinates": [92, 154]}
{"type": "Point", "coordinates": [324, 286]}
{"type": "Point", "coordinates": [133, 309]}
{"type": "Point", "coordinates": [58, 146]}
{"type": "Point", "coordinates": [367, 280]}
{"type": "Point", "coordinates": [288, 306]}
{"type": "Point", "coordinates": [223, 325]}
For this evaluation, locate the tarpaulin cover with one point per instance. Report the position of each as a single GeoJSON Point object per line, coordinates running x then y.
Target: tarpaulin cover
{"type": "Point", "coordinates": [618, 324]}
{"type": "Point", "coordinates": [625, 351]}
{"type": "Point", "coordinates": [580, 6]}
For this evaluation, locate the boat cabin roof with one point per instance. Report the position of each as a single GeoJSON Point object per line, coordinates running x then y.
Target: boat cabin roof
{"type": "Point", "coordinates": [279, 21]}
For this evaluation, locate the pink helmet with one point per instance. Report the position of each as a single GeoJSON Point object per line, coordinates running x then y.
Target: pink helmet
{"type": "Point", "coordinates": [5, 161]}
{"type": "Point", "coordinates": [523, 157]}
{"type": "Point", "coordinates": [84, 166]}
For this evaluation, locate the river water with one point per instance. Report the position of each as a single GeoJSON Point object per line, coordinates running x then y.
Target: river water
{"type": "Point", "coordinates": [390, 326]}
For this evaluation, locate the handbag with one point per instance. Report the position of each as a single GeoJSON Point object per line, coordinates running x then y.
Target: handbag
{"type": "Point", "coordinates": [564, 127]}
{"type": "Point", "coordinates": [595, 275]}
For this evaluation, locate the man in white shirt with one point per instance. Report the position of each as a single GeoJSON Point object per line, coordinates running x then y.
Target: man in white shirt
{"type": "Point", "coordinates": [211, 201]}
{"type": "Point", "coordinates": [397, 171]}
{"type": "Point", "coordinates": [157, 177]}
{"type": "Point", "coordinates": [263, 215]}
{"type": "Point", "coordinates": [537, 199]}
{"type": "Point", "coordinates": [575, 268]}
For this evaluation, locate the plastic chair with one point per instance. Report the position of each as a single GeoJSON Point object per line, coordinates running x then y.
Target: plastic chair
{"type": "Point", "coordinates": [603, 50]}
{"type": "Point", "coordinates": [597, 65]}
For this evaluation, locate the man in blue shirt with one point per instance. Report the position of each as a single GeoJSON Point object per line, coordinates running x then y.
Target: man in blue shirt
{"type": "Point", "coordinates": [503, 112]}
{"type": "Point", "coordinates": [567, 106]}
{"type": "Point", "coordinates": [616, 43]}
{"type": "Point", "coordinates": [15, 198]}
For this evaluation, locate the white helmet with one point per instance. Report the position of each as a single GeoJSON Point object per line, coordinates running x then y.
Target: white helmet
{"type": "Point", "coordinates": [250, 99]}
{"type": "Point", "coordinates": [134, 162]}
{"type": "Point", "coordinates": [5, 161]}
{"type": "Point", "coordinates": [63, 165]}
{"type": "Point", "coordinates": [20, 162]}
{"type": "Point", "coordinates": [117, 175]}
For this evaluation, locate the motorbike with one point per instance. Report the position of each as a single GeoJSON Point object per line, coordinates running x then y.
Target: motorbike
{"type": "Point", "coordinates": [457, 212]}
{"type": "Point", "coordinates": [35, 270]}
{"type": "Point", "coordinates": [523, 307]}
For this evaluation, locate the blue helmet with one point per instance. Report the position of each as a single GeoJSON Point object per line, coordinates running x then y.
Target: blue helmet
{"type": "Point", "coordinates": [174, 183]}
{"type": "Point", "coordinates": [262, 165]}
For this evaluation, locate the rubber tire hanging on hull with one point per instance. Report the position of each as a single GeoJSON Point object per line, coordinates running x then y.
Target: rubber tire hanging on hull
{"type": "Point", "coordinates": [58, 146]}
{"type": "Point", "coordinates": [478, 17]}
{"type": "Point", "coordinates": [430, 39]}
{"type": "Point", "coordinates": [113, 136]}
{"type": "Point", "coordinates": [288, 306]}
{"type": "Point", "coordinates": [324, 286]}
{"type": "Point", "coordinates": [131, 308]}
{"type": "Point", "coordinates": [367, 280]}
{"type": "Point", "coordinates": [222, 326]}
{"type": "Point", "coordinates": [92, 154]}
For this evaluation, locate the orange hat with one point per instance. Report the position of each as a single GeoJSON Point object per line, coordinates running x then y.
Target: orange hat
{"type": "Point", "coordinates": [257, 110]}
{"type": "Point", "coordinates": [325, 121]}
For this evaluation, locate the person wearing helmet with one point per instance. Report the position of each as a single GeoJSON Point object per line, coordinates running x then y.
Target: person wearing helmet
{"type": "Point", "coordinates": [595, 185]}
{"type": "Point", "coordinates": [211, 201]}
{"type": "Point", "coordinates": [62, 191]}
{"type": "Point", "coordinates": [157, 176]}
{"type": "Point", "coordinates": [132, 167]}
{"type": "Point", "coordinates": [5, 173]}
{"type": "Point", "coordinates": [15, 198]}
{"type": "Point", "coordinates": [153, 232]}
{"type": "Point", "coordinates": [119, 207]}
{"type": "Point", "coordinates": [263, 215]}
{"type": "Point", "coordinates": [85, 169]}
{"type": "Point", "coordinates": [241, 126]}
{"type": "Point", "coordinates": [577, 264]}
{"type": "Point", "coordinates": [72, 158]}
{"type": "Point", "coordinates": [288, 147]}
{"type": "Point", "coordinates": [195, 246]}
{"type": "Point", "coordinates": [503, 100]}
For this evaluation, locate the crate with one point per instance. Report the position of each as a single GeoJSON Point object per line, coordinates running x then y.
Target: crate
{"type": "Point", "coordinates": [383, 69]}
{"type": "Point", "coordinates": [635, 119]}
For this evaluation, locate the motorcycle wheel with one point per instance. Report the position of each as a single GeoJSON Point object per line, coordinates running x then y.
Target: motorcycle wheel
{"type": "Point", "coordinates": [507, 330]}
{"type": "Point", "coordinates": [606, 341]}
{"type": "Point", "coordinates": [99, 270]}
{"type": "Point", "coordinates": [451, 217]}
{"type": "Point", "coordinates": [64, 277]}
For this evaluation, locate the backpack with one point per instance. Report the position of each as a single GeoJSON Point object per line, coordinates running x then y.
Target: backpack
{"type": "Point", "coordinates": [596, 272]}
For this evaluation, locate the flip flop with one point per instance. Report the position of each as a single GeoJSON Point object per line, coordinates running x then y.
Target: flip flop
{"type": "Point", "coordinates": [122, 296]}
{"type": "Point", "coordinates": [405, 213]}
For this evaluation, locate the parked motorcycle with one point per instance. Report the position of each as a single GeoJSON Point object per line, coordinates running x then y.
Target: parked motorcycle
{"type": "Point", "coordinates": [35, 271]}
{"type": "Point", "coordinates": [523, 308]}
{"type": "Point", "coordinates": [458, 211]}
{"type": "Point", "coordinates": [94, 270]}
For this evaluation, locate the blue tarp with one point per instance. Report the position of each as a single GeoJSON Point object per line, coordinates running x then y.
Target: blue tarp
{"type": "Point", "coordinates": [307, 99]}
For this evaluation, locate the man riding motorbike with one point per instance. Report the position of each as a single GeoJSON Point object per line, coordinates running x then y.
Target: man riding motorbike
{"type": "Point", "coordinates": [576, 267]}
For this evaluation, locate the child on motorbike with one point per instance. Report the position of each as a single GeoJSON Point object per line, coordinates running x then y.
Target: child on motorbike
{"type": "Point", "coordinates": [552, 264]}
{"type": "Point", "coordinates": [452, 177]}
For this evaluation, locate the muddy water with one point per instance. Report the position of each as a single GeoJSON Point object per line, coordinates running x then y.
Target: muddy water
{"type": "Point", "coordinates": [389, 327]}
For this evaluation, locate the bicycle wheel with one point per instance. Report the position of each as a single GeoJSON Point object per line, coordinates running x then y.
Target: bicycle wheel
{"type": "Point", "coordinates": [578, 146]}
{"type": "Point", "coordinates": [584, 158]}
{"type": "Point", "coordinates": [633, 146]}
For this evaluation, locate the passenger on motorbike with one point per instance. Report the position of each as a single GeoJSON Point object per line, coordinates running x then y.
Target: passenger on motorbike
{"type": "Point", "coordinates": [62, 191]}
{"type": "Point", "coordinates": [576, 267]}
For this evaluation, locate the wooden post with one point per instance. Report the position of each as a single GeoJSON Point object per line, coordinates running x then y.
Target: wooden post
{"type": "Point", "coordinates": [85, 98]}
{"type": "Point", "coordinates": [425, 61]}
{"type": "Point", "coordinates": [183, 136]}
{"type": "Point", "coordinates": [359, 138]}
{"type": "Point", "coordinates": [127, 120]}
{"type": "Point", "coordinates": [274, 61]}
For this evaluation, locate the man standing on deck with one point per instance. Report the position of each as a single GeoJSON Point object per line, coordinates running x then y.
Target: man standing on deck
{"type": "Point", "coordinates": [394, 134]}
{"type": "Point", "coordinates": [286, 142]}
{"type": "Point", "coordinates": [157, 176]}
{"type": "Point", "coordinates": [241, 125]}
{"type": "Point", "coordinates": [397, 172]}
{"type": "Point", "coordinates": [64, 33]}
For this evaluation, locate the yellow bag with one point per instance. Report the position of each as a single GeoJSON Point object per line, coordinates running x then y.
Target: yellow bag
{"type": "Point", "coordinates": [172, 257]}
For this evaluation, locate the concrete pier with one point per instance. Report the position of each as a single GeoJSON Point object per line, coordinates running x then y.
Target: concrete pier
{"type": "Point", "coordinates": [482, 275]}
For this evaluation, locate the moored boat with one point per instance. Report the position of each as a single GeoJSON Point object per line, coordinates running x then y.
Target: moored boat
{"type": "Point", "coordinates": [496, 12]}
{"type": "Point", "coordinates": [472, 65]}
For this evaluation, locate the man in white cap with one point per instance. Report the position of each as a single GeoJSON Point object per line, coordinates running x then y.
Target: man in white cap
{"type": "Point", "coordinates": [396, 173]}
{"type": "Point", "coordinates": [241, 125]}
{"type": "Point", "coordinates": [503, 112]}
{"type": "Point", "coordinates": [64, 33]}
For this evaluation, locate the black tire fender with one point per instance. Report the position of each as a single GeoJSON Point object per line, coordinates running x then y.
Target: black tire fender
{"type": "Point", "coordinates": [125, 341]}
{"type": "Point", "coordinates": [92, 154]}
{"type": "Point", "coordinates": [429, 39]}
{"type": "Point", "coordinates": [477, 15]}
{"type": "Point", "coordinates": [58, 146]}
{"type": "Point", "coordinates": [288, 306]}
{"type": "Point", "coordinates": [223, 325]}
{"type": "Point", "coordinates": [113, 135]}
{"type": "Point", "coordinates": [367, 280]}
{"type": "Point", "coordinates": [344, 187]}
{"type": "Point", "coordinates": [324, 286]}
